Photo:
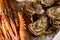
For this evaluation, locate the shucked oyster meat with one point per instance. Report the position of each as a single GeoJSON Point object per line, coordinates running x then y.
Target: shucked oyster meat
{"type": "Point", "coordinates": [39, 26]}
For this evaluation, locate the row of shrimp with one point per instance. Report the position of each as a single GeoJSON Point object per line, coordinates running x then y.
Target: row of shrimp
{"type": "Point", "coordinates": [12, 24]}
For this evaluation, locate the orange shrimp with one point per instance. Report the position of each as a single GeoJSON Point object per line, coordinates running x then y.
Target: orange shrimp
{"type": "Point", "coordinates": [6, 26]}
{"type": "Point", "coordinates": [1, 33]}
{"type": "Point", "coordinates": [22, 27]}
{"type": "Point", "coordinates": [24, 34]}
{"type": "Point", "coordinates": [14, 29]}
{"type": "Point", "coordinates": [1, 12]}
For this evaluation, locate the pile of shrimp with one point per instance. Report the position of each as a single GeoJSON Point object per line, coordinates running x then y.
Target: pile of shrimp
{"type": "Point", "coordinates": [12, 24]}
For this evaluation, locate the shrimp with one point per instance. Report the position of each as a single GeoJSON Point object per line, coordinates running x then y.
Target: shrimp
{"type": "Point", "coordinates": [24, 35]}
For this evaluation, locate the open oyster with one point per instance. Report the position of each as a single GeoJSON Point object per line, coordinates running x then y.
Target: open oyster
{"type": "Point", "coordinates": [54, 14]}
{"type": "Point", "coordinates": [39, 26]}
{"type": "Point", "coordinates": [47, 2]}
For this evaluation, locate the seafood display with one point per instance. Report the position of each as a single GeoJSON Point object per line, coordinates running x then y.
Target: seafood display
{"type": "Point", "coordinates": [12, 25]}
{"type": "Point", "coordinates": [24, 20]}
{"type": "Point", "coordinates": [38, 23]}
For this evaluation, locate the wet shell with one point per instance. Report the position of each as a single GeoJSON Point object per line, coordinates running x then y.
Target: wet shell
{"type": "Point", "coordinates": [54, 14]}
{"type": "Point", "coordinates": [31, 8]}
{"type": "Point", "coordinates": [39, 26]}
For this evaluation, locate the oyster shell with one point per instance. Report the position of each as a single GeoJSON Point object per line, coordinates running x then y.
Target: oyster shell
{"type": "Point", "coordinates": [39, 26]}
{"type": "Point", "coordinates": [37, 20]}
{"type": "Point", "coordinates": [31, 8]}
{"type": "Point", "coordinates": [54, 14]}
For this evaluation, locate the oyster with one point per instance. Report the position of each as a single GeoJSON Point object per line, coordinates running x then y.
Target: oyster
{"type": "Point", "coordinates": [39, 26]}
{"type": "Point", "coordinates": [37, 20]}
{"type": "Point", "coordinates": [54, 14]}
{"type": "Point", "coordinates": [31, 8]}
{"type": "Point", "coordinates": [47, 2]}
